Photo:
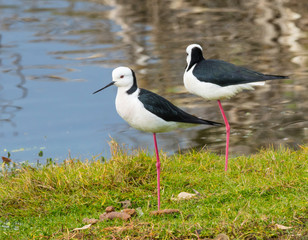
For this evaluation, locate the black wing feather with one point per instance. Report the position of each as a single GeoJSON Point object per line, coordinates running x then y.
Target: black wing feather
{"type": "Point", "coordinates": [167, 111]}
{"type": "Point", "coordinates": [224, 74]}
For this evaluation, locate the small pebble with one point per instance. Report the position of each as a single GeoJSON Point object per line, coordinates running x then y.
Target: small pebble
{"type": "Point", "coordinates": [129, 211]}
{"type": "Point", "coordinates": [165, 211]}
{"type": "Point", "coordinates": [109, 209]}
{"type": "Point", "coordinates": [221, 237]}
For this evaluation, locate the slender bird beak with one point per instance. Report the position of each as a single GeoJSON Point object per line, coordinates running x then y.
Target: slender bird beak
{"type": "Point", "coordinates": [103, 87]}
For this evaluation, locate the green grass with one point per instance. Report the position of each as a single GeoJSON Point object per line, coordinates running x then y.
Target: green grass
{"type": "Point", "coordinates": [258, 192]}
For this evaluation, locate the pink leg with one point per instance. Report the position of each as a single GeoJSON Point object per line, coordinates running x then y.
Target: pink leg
{"type": "Point", "coordinates": [158, 170]}
{"type": "Point", "coordinates": [227, 132]}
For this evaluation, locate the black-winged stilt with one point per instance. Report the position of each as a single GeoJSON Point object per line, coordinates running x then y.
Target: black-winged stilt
{"type": "Point", "coordinates": [147, 111]}
{"type": "Point", "coordinates": [216, 79]}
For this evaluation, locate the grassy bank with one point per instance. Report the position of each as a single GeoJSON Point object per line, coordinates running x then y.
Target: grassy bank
{"type": "Point", "coordinates": [261, 196]}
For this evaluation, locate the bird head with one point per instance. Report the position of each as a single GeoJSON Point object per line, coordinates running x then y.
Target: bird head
{"type": "Point", "coordinates": [121, 77]}
{"type": "Point", "coordinates": [194, 55]}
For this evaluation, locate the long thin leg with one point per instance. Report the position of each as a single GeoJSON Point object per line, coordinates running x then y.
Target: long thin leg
{"type": "Point", "coordinates": [227, 132]}
{"type": "Point", "coordinates": [158, 170]}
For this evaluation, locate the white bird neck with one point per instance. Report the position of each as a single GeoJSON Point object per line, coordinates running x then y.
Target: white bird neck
{"type": "Point", "coordinates": [125, 91]}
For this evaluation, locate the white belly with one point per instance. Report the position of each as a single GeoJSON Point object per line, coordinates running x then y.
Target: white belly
{"type": "Point", "coordinates": [212, 91]}
{"type": "Point", "coordinates": [133, 112]}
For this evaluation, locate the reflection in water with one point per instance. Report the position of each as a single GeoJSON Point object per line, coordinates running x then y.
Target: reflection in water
{"type": "Point", "coordinates": [12, 79]}
{"type": "Point", "coordinates": [257, 117]}
{"type": "Point", "coordinates": [49, 48]}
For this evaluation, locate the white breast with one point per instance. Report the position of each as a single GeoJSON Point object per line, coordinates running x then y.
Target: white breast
{"type": "Point", "coordinates": [133, 112]}
{"type": "Point", "coordinates": [212, 91]}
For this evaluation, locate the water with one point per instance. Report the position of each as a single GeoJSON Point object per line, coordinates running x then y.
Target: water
{"type": "Point", "coordinates": [54, 54]}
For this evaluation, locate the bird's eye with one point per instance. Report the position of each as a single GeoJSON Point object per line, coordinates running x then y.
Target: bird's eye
{"type": "Point", "coordinates": [122, 76]}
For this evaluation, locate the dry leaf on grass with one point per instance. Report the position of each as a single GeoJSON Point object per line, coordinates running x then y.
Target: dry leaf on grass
{"type": "Point", "coordinates": [82, 228]}
{"type": "Point", "coordinates": [6, 160]}
{"type": "Point", "coordinates": [282, 227]}
{"type": "Point", "coordinates": [184, 196]}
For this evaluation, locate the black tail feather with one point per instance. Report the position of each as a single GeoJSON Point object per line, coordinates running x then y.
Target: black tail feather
{"type": "Point", "coordinates": [206, 122]}
{"type": "Point", "coordinates": [274, 77]}
{"type": "Point", "coordinates": [212, 123]}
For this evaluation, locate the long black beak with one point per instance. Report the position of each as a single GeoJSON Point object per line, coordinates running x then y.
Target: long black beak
{"type": "Point", "coordinates": [103, 87]}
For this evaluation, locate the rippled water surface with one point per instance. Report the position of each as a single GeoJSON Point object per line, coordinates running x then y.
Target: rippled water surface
{"type": "Point", "coordinates": [54, 54]}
